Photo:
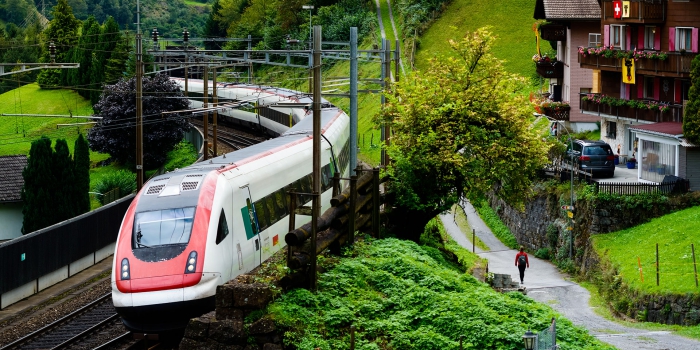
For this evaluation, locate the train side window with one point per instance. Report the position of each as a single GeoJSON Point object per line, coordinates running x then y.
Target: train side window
{"type": "Point", "coordinates": [222, 230]}
{"type": "Point", "coordinates": [306, 187]}
{"type": "Point", "coordinates": [281, 202]}
{"type": "Point", "coordinates": [263, 217]}
{"type": "Point", "coordinates": [326, 178]}
{"type": "Point", "coordinates": [272, 208]}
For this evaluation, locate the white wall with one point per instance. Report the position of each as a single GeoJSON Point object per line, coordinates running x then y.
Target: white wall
{"type": "Point", "coordinates": [11, 219]}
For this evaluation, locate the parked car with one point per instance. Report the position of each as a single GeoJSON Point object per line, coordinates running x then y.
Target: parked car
{"type": "Point", "coordinates": [595, 157]}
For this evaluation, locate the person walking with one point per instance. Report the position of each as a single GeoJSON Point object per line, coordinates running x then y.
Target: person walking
{"type": "Point", "coordinates": [522, 262]}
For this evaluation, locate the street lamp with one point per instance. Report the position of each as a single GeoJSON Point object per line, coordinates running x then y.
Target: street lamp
{"type": "Point", "coordinates": [529, 340]}
{"type": "Point", "coordinates": [309, 7]}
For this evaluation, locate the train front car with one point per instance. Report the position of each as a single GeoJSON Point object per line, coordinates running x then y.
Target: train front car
{"type": "Point", "coordinates": [158, 282]}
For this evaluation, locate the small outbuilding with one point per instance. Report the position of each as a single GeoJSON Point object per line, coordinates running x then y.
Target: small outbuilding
{"type": "Point", "coordinates": [11, 183]}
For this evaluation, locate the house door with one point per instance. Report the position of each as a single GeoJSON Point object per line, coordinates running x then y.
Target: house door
{"type": "Point", "coordinates": [631, 147]}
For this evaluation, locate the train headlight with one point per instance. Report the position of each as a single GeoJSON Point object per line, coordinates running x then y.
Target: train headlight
{"type": "Point", "coordinates": [126, 273]}
{"type": "Point", "coordinates": [191, 262]}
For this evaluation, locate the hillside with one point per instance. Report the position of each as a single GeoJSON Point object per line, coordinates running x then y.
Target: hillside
{"type": "Point", "coordinates": [511, 21]}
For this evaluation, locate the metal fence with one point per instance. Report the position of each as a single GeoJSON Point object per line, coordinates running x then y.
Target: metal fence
{"type": "Point", "coordinates": [36, 254]}
{"type": "Point", "coordinates": [677, 186]}
{"type": "Point", "coordinates": [547, 339]}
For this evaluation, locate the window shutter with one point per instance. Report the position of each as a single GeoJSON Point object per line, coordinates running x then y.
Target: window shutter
{"type": "Point", "coordinates": [640, 87]}
{"type": "Point", "coordinates": [641, 33]}
{"type": "Point", "coordinates": [657, 82]}
{"type": "Point", "coordinates": [672, 39]}
{"type": "Point", "coordinates": [677, 93]}
{"type": "Point", "coordinates": [694, 43]}
{"type": "Point", "coordinates": [628, 39]}
{"type": "Point", "coordinates": [657, 39]}
{"type": "Point", "coordinates": [606, 35]}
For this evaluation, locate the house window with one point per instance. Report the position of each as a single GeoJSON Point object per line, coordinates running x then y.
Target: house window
{"type": "Point", "coordinates": [685, 87]}
{"type": "Point", "coordinates": [594, 40]}
{"type": "Point", "coordinates": [617, 36]}
{"type": "Point", "coordinates": [649, 33]}
{"type": "Point", "coordinates": [684, 38]}
{"type": "Point", "coordinates": [648, 87]}
{"type": "Point", "coordinates": [612, 130]}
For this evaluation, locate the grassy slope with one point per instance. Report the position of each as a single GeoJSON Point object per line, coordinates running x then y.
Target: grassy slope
{"type": "Point", "coordinates": [674, 233]}
{"type": "Point", "coordinates": [17, 133]}
{"type": "Point", "coordinates": [511, 21]}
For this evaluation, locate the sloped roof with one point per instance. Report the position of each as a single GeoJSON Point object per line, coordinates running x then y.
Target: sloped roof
{"type": "Point", "coordinates": [11, 180]}
{"type": "Point", "coordinates": [665, 128]}
{"type": "Point", "coordinates": [553, 10]}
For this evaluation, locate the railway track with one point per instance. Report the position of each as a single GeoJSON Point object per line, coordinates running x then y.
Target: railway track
{"type": "Point", "coordinates": [85, 328]}
{"type": "Point", "coordinates": [232, 138]}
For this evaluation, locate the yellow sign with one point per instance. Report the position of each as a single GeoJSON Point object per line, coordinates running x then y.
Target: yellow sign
{"type": "Point", "coordinates": [569, 228]}
{"type": "Point", "coordinates": [625, 9]}
{"type": "Point", "coordinates": [570, 214]}
{"type": "Point", "coordinates": [627, 70]}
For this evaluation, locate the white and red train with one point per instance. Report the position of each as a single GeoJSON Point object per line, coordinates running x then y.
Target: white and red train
{"type": "Point", "coordinates": [190, 230]}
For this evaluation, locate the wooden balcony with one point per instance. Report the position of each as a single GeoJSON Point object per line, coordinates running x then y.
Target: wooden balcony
{"type": "Point", "coordinates": [553, 32]}
{"type": "Point", "coordinates": [675, 65]}
{"type": "Point", "coordinates": [550, 69]}
{"type": "Point", "coordinates": [674, 113]}
{"type": "Point", "coordinates": [559, 113]}
{"type": "Point", "coordinates": [640, 11]}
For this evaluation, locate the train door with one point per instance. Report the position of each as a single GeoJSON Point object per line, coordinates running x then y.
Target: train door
{"type": "Point", "coordinates": [252, 230]}
{"type": "Point", "coordinates": [224, 239]}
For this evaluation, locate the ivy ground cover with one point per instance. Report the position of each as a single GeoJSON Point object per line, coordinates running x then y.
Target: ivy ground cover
{"type": "Point", "coordinates": [400, 295]}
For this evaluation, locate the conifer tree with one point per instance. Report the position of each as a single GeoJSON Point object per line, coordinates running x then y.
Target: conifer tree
{"type": "Point", "coordinates": [62, 30]}
{"type": "Point", "coordinates": [691, 119]}
{"type": "Point", "coordinates": [63, 192]}
{"type": "Point", "coordinates": [37, 199]}
{"type": "Point", "coordinates": [81, 162]}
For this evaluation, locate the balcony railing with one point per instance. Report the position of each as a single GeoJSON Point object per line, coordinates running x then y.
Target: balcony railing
{"type": "Point", "coordinates": [550, 69]}
{"type": "Point", "coordinates": [640, 11]}
{"type": "Point", "coordinates": [559, 113]}
{"type": "Point", "coordinates": [553, 32]}
{"type": "Point", "coordinates": [675, 64]}
{"type": "Point", "coordinates": [673, 114]}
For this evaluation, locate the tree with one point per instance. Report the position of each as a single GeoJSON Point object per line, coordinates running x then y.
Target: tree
{"type": "Point", "coordinates": [62, 30]}
{"type": "Point", "coordinates": [109, 37]}
{"type": "Point", "coordinates": [691, 119]}
{"type": "Point", "coordinates": [115, 66]}
{"type": "Point", "coordinates": [83, 54]}
{"type": "Point", "coordinates": [213, 28]}
{"type": "Point", "coordinates": [459, 129]}
{"type": "Point", "coordinates": [63, 170]}
{"type": "Point", "coordinates": [37, 199]}
{"type": "Point", "coordinates": [81, 162]}
{"type": "Point", "coordinates": [115, 132]}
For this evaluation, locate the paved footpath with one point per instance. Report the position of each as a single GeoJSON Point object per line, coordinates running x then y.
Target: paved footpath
{"type": "Point", "coordinates": [547, 285]}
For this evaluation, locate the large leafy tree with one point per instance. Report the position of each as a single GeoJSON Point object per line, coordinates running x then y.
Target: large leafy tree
{"type": "Point", "coordinates": [691, 119]}
{"type": "Point", "coordinates": [459, 129]}
{"type": "Point", "coordinates": [62, 30]}
{"type": "Point", "coordinates": [115, 133]}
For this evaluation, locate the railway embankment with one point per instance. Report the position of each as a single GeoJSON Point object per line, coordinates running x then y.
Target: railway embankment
{"type": "Point", "coordinates": [542, 228]}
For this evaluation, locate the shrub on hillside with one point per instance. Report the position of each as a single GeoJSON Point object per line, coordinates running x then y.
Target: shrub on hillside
{"type": "Point", "coordinates": [124, 180]}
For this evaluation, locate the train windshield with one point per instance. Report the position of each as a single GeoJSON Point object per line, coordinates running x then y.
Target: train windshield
{"type": "Point", "coordinates": [162, 227]}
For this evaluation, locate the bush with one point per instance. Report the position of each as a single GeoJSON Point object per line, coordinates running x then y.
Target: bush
{"type": "Point", "coordinates": [124, 180]}
{"type": "Point", "coordinates": [543, 253]}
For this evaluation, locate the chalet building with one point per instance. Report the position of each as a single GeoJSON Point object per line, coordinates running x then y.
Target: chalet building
{"type": "Point", "coordinates": [11, 183]}
{"type": "Point", "coordinates": [640, 66]}
{"type": "Point", "coordinates": [568, 24]}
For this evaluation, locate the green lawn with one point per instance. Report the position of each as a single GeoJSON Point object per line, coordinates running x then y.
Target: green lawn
{"type": "Point", "coordinates": [18, 132]}
{"type": "Point", "coordinates": [511, 21]}
{"type": "Point", "coordinates": [674, 233]}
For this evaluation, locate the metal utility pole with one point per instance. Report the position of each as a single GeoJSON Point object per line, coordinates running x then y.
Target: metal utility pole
{"type": "Point", "coordinates": [216, 104]}
{"type": "Point", "coordinates": [205, 119]}
{"type": "Point", "coordinates": [139, 100]}
{"type": "Point", "coordinates": [353, 100]}
{"type": "Point", "coordinates": [387, 86]}
{"type": "Point", "coordinates": [316, 204]}
{"type": "Point", "coordinates": [185, 40]}
{"type": "Point", "coordinates": [382, 135]}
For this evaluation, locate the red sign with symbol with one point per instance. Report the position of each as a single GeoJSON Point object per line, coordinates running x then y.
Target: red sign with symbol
{"type": "Point", "coordinates": [617, 9]}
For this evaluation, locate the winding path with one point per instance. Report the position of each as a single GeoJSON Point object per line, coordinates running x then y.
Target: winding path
{"type": "Point", "coordinates": [547, 285]}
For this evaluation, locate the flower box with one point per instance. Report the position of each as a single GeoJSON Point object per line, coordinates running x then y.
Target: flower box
{"type": "Point", "coordinates": [557, 113]}
{"type": "Point", "coordinates": [550, 69]}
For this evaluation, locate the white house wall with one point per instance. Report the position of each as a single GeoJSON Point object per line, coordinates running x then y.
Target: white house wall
{"type": "Point", "coordinates": [11, 219]}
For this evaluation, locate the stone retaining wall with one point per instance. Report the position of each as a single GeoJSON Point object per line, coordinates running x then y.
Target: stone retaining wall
{"type": "Point", "coordinates": [225, 328]}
